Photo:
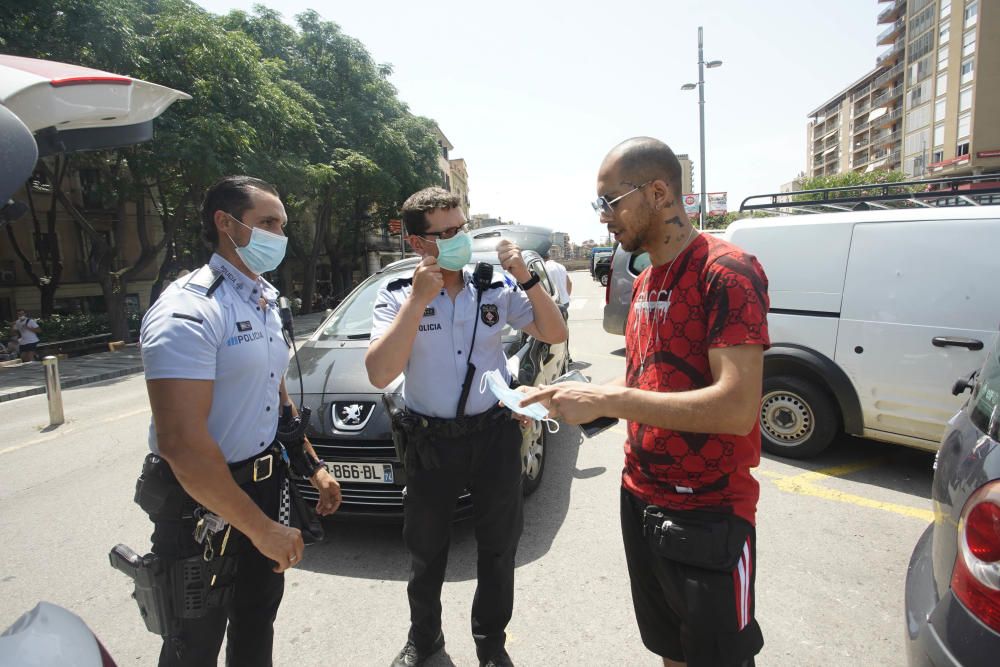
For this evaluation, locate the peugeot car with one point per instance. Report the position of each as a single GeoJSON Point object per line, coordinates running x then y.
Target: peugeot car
{"type": "Point", "coordinates": [953, 582]}
{"type": "Point", "coordinates": [350, 427]}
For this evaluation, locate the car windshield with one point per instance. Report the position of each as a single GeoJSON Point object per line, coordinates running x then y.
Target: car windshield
{"type": "Point", "coordinates": [987, 395]}
{"type": "Point", "coordinates": [352, 320]}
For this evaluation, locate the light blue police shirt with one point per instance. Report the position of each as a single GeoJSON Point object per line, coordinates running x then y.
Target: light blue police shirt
{"type": "Point", "coordinates": [435, 371]}
{"type": "Point", "coordinates": [211, 325]}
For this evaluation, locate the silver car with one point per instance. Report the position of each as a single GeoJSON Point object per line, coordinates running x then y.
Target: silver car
{"type": "Point", "coordinates": [953, 582]}
{"type": "Point", "coordinates": [350, 427]}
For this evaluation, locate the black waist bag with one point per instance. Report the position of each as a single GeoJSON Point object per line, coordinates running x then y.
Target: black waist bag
{"type": "Point", "coordinates": [709, 541]}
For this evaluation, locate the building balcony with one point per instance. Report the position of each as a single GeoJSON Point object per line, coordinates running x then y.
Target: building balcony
{"type": "Point", "coordinates": [891, 33]}
{"type": "Point", "coordinates": [858, 94]}
{"type": "Point", "coordinates": [888, 119]}
{"type": "Point", "coordinates": [887, 77]}
{"type": "Point", "coordinates": [861, 107]}
{"type": "Point", "coordinates": [894, 11]}
{"type": "Point", "coordinates": [891, 55]}
{"type": "Point", "coordinates": [886, 97]}
{"type": "Point", "coordinates": [887, 139]}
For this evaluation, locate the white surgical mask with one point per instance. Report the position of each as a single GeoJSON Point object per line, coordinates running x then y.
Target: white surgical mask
{"type": "Point", "coordinates": [512, 399]}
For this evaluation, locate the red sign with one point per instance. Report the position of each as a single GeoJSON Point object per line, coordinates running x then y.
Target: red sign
{"type": "Point", "coordinates": [395, 226]}
{"type": "Point", "coordinates": [993, 153]}
{"type": "Point", "coordinates": [945, 163]}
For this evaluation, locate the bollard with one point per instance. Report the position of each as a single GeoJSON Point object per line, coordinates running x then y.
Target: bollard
{"type": "Point", "coordinates": [53, 390]}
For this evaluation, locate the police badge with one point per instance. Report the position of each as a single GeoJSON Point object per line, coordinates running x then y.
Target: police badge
{"type": "Point", "coordinates": [489, 314]}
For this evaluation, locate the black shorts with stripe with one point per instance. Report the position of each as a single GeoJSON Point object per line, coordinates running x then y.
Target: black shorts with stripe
{"type": "Point", "coordinates": [691, 614]}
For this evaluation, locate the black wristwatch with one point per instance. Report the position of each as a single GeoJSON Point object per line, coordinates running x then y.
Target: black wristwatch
{"type": "Point", "coordinates": [534, 280]}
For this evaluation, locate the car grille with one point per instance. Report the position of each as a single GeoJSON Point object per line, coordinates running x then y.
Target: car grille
{"type": "Point", "coordinates": [352, 450]}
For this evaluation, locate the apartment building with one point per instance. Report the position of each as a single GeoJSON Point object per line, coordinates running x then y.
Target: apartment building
{"type": "Point", "coordinates": [929, 106]}
{"type": "Point", "coordinates": [460, 182]}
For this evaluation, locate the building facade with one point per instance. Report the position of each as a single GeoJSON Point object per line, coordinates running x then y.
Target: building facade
{"type": "Point", "coordinates": [459, 176]}
{"type": "Point", "coordinates": [929, 106]}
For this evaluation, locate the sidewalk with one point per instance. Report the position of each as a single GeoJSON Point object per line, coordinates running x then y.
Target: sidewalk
{"type": "Point", "coordinates": [29, 379]}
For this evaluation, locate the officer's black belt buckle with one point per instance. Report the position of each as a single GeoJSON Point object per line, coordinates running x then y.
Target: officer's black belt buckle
{"type": "Point", "coordinates": [263, 467]}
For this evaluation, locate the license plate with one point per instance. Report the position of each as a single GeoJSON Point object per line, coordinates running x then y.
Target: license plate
{"type": "Point", "coordinates": [369, 473]}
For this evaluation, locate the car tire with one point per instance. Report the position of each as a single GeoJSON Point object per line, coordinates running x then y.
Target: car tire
{"type": "Point", "coordinates": [534, 458]}
{"type": "Point", "coordinates": [798, 418]}
{"type": "Point", "coordinates": [604, 280]}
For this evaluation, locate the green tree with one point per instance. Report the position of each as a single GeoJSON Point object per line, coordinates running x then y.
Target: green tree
{"type": "Point", "coordinates": [852, 178]}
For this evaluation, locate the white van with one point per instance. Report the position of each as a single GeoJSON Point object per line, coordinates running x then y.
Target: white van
{"type": "Point", "coordinates": [874, 316]}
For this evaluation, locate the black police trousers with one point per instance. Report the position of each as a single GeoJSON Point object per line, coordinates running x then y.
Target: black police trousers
{"type": "Point", "coordinates": [252, 606]}
{"type": "Point", "coordinates": [488, 462]}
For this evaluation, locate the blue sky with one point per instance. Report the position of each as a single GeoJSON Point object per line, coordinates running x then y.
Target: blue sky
{"type": "Point", "coordinates": [534, 94]}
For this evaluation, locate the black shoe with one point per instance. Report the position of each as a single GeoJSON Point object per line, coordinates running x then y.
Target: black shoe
{"type": "Point", "coordinates": [411, 657]}
{"type": "Point", "coordinates": [500, 659]}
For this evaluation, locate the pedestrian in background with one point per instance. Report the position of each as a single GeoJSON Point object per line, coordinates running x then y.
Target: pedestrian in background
{"type": "Point", "coordinates": [694, 340]}
{"type": "Point", "coordinates": [442, 331]}
{"type": "Point", "coordinates": [27, 330]}
{"type": "Point", "coordinates": [559, 277]}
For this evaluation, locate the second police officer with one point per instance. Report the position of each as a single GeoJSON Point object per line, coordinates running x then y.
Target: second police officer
{"type": "Point", "coordinates": [431, 328]}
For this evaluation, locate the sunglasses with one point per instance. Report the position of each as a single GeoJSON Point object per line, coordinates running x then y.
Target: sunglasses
{"type": "Point", "coordinates": [604, 206]}
{"type": "Point", "coordinates": [446, 234]}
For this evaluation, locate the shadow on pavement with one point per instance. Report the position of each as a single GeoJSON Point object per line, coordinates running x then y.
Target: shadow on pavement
{"type": "Point", "coordinates": [376, 551]}
{"type": "Point", "coordinates": [895, 467]}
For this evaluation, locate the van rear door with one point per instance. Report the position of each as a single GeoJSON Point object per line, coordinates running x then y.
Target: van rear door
{"type": "Point", "coordinates": [916, 293]}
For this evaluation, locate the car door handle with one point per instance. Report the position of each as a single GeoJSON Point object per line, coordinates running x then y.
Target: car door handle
{"type": "Point", "coordinates": [948, 341]}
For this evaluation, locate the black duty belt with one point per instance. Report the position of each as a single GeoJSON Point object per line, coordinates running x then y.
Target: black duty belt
{"type": "Point", "coordinates": [257, 468]}
{"type": "Point", "coordinates": [440, 427]}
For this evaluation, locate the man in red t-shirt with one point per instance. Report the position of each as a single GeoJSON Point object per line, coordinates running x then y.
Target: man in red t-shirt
{"type": "Point", "coordinates": [694, 339]}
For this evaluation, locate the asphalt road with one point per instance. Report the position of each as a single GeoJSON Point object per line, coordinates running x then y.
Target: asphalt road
{"type": "Point", "coordinates": [835, 535]}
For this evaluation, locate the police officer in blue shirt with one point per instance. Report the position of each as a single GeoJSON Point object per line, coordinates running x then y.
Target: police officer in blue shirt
{"type": "Point", "coordinates": [424, 327]}
{"type": "Point", "coordinates": [215, 358]}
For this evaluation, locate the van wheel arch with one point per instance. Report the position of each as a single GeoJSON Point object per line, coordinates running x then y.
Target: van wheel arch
{"type": "Point", "coordinates": [803, 376]}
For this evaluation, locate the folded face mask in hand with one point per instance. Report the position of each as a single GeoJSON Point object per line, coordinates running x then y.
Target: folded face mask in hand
{"type": "Point", "coordinates": [512, 399]}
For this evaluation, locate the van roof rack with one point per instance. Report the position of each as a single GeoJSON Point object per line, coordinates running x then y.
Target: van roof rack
{"type": "Point", "coordinates": [981, 190]}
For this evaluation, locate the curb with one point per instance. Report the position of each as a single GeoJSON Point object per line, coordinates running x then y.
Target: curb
{"type": "Point", "coordinates": [76, 382]}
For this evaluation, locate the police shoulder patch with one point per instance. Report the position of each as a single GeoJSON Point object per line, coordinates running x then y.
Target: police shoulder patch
{"type": "Point", "coordinates": [489, 313]}
{"type": "Point", "coordinates": [399, 284]}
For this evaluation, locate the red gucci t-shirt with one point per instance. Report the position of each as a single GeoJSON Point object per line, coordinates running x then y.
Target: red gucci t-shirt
{"type": "Point", "coordinates": [713, 295]}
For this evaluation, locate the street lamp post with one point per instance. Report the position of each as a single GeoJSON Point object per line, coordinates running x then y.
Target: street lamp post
{"type": "Point", "coordinates": [703, 203]}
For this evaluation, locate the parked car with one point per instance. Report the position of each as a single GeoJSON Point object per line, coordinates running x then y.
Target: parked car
{"type": "Point", "coordinates": [953, 581]}
{"type": "Point", "coordinates": [602, 270]}
{"type": "Point", "coordinates": [873, 313]}
{"type": "Point", "coordinates": [350, 427]}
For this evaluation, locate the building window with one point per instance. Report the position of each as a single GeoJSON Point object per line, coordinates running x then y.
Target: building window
{"type": "Point", "coordinates": [968, 43]}
{"type": "Point", "coordinates": [945, 9]}
{"type": "Point", "coordinates": [939, 134]}
{"type": "Point", "coordinates": [920, 70]}
{"type": "Point", "coordinates": [971, 13]}
{"type": "Point", "coordinates": [942, 84]}
{"type": "Point", "coordinates": [965, 99]}
{"type": "Point", "coordinates": [944, 32]}
{"type": "Point", "coordinates": [921, 21]}
{"type": "Point", "coordinates": [967, 70]}
{"type": "Point", "coordinates": [962, 149]}
{"type": "Point", "coordinates": [920, 93]}
{"type": "Point", "coordinates": [938, 156]}
{"type": "Point", "coordinates": [942, 59]}
{"type": "Point", "coordinates": [964, 125]}
{"type": "Point", "coordinates": [921, 46]}
{"type": "Point", "coordinates": [919, 117]}
{"type": "Point", "coordinates": [939, 110]}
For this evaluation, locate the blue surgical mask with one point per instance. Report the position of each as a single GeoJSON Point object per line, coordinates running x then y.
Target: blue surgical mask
{"type": "Point", "coordinates": [512, 399]}
{"type": "Point", "coordinates": [454, 253]}
{"type": "Point", "coordinates": [265, 250]}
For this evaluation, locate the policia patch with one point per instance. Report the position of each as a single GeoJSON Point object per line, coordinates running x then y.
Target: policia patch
{"type": "Point", "coordinates": [489, 314]}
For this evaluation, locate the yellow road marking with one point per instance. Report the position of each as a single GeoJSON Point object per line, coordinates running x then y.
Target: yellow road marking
{"type": "Point", "coordinates": [804, 485]}
{"type": "Point", "coordinates": [59, 433]}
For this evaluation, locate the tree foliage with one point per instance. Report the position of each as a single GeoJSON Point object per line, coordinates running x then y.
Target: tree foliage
{"type": "Point", "coordinates": [305, 107]}
{"type": "Point", "coordinates": [851, 178]}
